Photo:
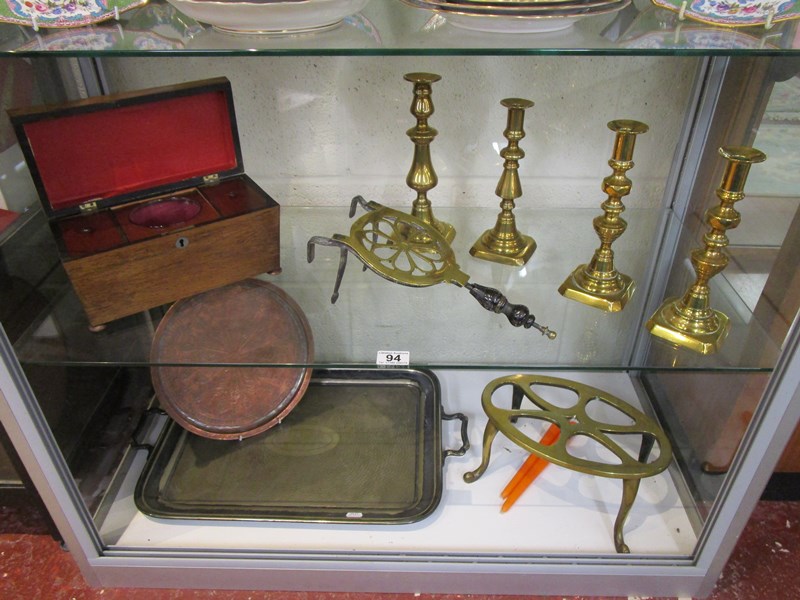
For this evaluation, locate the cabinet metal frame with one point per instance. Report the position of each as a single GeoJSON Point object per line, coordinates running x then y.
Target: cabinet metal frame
{"type": "Point", "coordinates": [773, 423]}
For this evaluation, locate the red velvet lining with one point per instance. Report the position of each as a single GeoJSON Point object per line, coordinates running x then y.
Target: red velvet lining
{"type": "Point", "coordinates": [136, 233]}
{"type": "Point", "coordinates": [234, 197]}
{"type": "Point", "coordinates": [102, 154]}
{"type": "Point", "coordinates": [165, 212]}
{"type": "Point", "coordinates": [90, 234]}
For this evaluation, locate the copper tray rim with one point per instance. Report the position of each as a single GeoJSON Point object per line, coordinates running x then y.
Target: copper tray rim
{"type": "Point", "coordinates": [300, 387]}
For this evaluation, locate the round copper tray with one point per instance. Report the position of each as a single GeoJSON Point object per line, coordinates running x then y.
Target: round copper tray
{"type": "Point", "coordinates": [205, 349]}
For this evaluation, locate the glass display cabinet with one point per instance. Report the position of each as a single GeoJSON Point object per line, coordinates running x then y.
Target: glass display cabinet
{"type": "Point", "coordinates": [673, 428]}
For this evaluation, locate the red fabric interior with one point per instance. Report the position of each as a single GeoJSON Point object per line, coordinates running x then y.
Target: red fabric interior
{"type": "Point", "coordinates": [165, 212]}
{"type": "Point", "coordinates": [101, 154]}
{"type": "Point", "coordinates": [135, 233]}
{"type": "Point", "coordinates": [89, 234]}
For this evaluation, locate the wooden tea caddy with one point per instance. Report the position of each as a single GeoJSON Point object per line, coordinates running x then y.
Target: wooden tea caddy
{"type": "Point", "coordinates": [147, 196]}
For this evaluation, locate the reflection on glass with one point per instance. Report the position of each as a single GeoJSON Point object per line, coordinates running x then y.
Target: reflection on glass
{"type": "Point", "coordinates": [709, 413]}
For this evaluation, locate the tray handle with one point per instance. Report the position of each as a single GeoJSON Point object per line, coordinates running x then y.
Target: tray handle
{"type": "Point", "coordinates": [142, 427]}
{"type": "Point", "coordinates": [464, 436]}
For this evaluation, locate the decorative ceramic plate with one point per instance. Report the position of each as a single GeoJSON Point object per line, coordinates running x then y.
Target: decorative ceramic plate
{"type": "Point", "coordinates": [270, 18]}
{"type": "Point", "coordinates": [734, 13]}
{"type": "Point", "coordinates": [62, 13]}
{"type": "Point", "coordinates": [98, 38]}
{"type": "Point", "coordinates": [707, 39]}
{"type": "Point", "coordinates": [650, 31]}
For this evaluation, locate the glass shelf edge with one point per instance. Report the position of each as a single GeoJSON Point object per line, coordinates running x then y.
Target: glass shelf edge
{"type": "Point", "coordinates": [385, 28]}
{"type": "Point", "coordinates": [407, 52]}
{"type": "Point", "coordinates": [412, 366]}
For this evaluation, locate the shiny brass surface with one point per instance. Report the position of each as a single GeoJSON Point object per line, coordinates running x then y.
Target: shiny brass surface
{"type": "Point", "coordinates": [574, 421]}
{"type": "Point", "coordinates": [504, 244]}
{"type": "Point", "coordinates": [421, 177]}
{"type": "Point", "coordinates": [399, 247]}
{"type": "Point", "coordinates": [402, 249]}
{"type": "Point", "coordinates": [598, 283]}
{"type": "Point", "coordinates": [689, 321]}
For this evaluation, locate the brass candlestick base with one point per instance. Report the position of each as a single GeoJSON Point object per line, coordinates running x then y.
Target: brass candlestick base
{"type": "Point", "coordinates": [610, 294]}
{"type": "Point", "coordinates": [504, 244]}
{"type": "Point", "coordinates": [598, 283]}
{"type": "Point", "coordinates": [702, 331]}
{"type": "Point", "coordinates": [421, 177]}
{"type": "Point", "coordinates": [689, 321]}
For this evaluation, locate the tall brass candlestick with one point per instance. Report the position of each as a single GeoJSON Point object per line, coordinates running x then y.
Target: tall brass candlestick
{"type": "Point", "coordinates": [598, 283]}
{"type": "Point", "coordinates": [422, 177]}
{"type": "Point", "coordinates": [504, 244]}
{"type": "Point", "coordinates": [689, 321]}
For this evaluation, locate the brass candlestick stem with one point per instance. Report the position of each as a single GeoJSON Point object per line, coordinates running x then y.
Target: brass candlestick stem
{"type": "Point", "coordinates": [689, 321]}
{"type": "Point", "coordinates": [422, 178]}
{"type": "Point", "coordinates": [504, 244]}
{"type": "Point", "coordinates": [598, 283]}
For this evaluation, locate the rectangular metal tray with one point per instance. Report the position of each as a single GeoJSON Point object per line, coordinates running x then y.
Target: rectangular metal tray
{"type": "Point", "coordinates": [362, 446]}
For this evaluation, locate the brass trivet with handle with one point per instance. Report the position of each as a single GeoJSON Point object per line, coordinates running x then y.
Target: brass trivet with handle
{"type": "Point", "coordinates": [405, 250]}
{"type": "Point", "coordinates": [575, 421]}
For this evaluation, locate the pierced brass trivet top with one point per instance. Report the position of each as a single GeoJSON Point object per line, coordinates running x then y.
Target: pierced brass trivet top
{"type": "Point", "coordinates": [578, 420]}
{"type": "Point", "coordinates": [405, 250]}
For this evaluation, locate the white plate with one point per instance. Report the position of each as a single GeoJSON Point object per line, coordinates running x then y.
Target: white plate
{"type": "Point", "coordinates": [509, 24]}
{"type": "Point", "coordinates": [499, 20]}
{"type": "Point", "coordinates": [270, 18]}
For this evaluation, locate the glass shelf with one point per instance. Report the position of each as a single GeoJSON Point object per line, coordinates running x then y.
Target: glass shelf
{"type": "Point", "coordinates": [440, 325]}
{"type": "Point", "coordinates": [388, 27]}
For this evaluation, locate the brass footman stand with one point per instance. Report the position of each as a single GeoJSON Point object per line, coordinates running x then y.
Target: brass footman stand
{"type": "Point", "coordinates": [574, 421]}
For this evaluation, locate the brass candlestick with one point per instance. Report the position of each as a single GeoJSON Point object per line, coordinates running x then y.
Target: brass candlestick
{"type": "Point", "coordinates": [422, 177]}
{"type": "Point", "coordinates": [599, 284]}
{"type": "Point", "coordinates": [689, 321]}
{"type": "Point", "coordinates": [504, 244]}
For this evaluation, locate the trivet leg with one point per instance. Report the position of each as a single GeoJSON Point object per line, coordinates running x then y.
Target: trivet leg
{"type": "Point", "coordinates": [516, 401]}
{"type": "Point", "coordinates": [629, 489]}
{"type": "Point", "coordinates": [516, 398]}
{"type": "Point", "coordinates": [343, 249]}
{"type": "Point", "coordinates": [339, 274]}
{"type": "Point", "coordinates": [488, 437]}
{"type": "Point", "coordinates": [648, 441]}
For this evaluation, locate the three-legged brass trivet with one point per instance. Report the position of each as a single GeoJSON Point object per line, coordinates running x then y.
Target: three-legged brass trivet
{"type": "Point", "coordinates": [405, 250]}
{"type": "Point", "coordinates": [574, 421]}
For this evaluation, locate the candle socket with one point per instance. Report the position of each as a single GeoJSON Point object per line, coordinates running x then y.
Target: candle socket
{"type": "Point", "coordinates": [504, 243]}
{"type": "Point", "coordinates": [689, 321]}
{"type": "Point", "coordinates": [598, 283]}
{"type": "Point", "coordinates": [421, 177]}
